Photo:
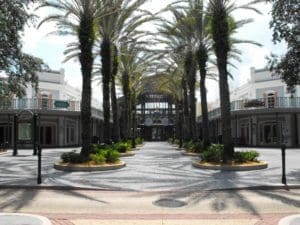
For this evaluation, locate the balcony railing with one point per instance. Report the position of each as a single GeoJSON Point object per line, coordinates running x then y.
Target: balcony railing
{"type": "Point", "coordinates": [261, 103]}
{"type": "Point", "coordinates": [45, 104]}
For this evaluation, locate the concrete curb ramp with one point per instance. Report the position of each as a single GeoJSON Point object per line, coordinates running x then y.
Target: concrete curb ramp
{"type": "Point", "coordinates": [190, 154]}
{"type": "Point", "coordinates": [290, 220]}
{"type": "Point", "coordinates": [19, 218]}
{"type": "Point", "coordinates": [257, 166]}
{"type": "Point", "coordinates": [127, 154]}
{"type": "Point", "coordinates": [87, 168]}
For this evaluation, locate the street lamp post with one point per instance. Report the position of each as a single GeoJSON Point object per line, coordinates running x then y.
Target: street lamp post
{"type": "Point", "coordinates": [180, 127]}
{"type": "Point", "coordinates": [283, 179]}
{"type": "Point", "coordinates": [133, 130]}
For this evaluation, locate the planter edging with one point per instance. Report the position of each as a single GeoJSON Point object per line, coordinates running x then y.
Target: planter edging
{"type": "Point", "coordinates": [190, 154]}
{"type": "Point", "coordinates": [260, 165]}
{"type": "Point", "coordinates": [127, 154]}
{"type": "Point", "coordinates": [81, 168]}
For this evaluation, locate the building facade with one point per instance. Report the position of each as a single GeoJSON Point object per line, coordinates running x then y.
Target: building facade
{"type": "Point", "coordinates": [57, 105]}
{"type": "Point", "coordinates": [155, 116]}
{"type": "Point", "coordinates": [263, 113]}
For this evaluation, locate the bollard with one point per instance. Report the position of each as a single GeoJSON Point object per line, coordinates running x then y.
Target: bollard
{"type": "Point", "coordinates": [283, 180]}
{"type": "Point", "coordinates": [35, 132]}
{"type": "Point", "coordinates": [39, 177]}
{"type": "Point", "coordinates": [15, 150]}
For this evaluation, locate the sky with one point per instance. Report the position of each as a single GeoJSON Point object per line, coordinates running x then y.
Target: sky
{"type": "Point", "coordinates": [50, 48]}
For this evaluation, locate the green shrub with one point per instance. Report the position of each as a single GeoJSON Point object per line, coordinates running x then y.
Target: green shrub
{"type": "Point", "coordinates": [194, 146]}
{"type": "Point", "coordinates": [122, 147]}
{"type": "Point", "coordinates": [112, 156]}
{"type": "Point", "coordinates": [177, 141]}
{"type": "Point", "coordinates": [98, 158]}
{"type": "Point", "coordinates": [188, 145]}
{"type": "Point", "coordinates": [73, 157]}
{"type": "Point", "coordinates": [246, 156]}
{"type": "Point", "coordinates": [197, 147]}
{"type": "Point", "coordinates": [213, 153]}
{"type": "Point", "coordinates": [170, 140]}
{"type": "Point", "coordinates": [139, 141]}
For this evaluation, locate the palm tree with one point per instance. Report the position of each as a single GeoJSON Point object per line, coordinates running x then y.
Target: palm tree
{"type": "Point", "coordinates": [221, 30]}
{"type": "Point", "coordinates": [135, 63]}
{"type": "Point", "coordinates": [170, 84]}
{"type": "Point", "coordinates": [118, 21]}
{"type": "Point", "coordinates": [202, 56]}
{"type": "Point", "coordinates": [179, 36]}
{"type": "Point", "coordinates": [78, 18]}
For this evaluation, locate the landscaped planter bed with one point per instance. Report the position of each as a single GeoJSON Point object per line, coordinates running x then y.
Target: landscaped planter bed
{"type": "Point", "coordinates": [3, 151]}
{"type": "Point", "coordinates": [127, 154]}
{"type": "Point", "coordinates": [231, 167]}
{"type": "Point", "coordinates": [190, 154]}
{"type": "Point", "coordinates": [88, 167]}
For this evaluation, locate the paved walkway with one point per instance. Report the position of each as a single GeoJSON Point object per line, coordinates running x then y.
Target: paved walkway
{"type": "Point", "coordinates": [158, 187]}
{"type": "Point", "coordinates": [156, 167]}
{"type": "Point", "coordinates": [77, 207]}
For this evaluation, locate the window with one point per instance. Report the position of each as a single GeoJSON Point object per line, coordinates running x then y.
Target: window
{"type": "Point", "coordinates": [271, 100]}
{"type": "Point", "coordinates": [44, 101]}
{"type": "Point", "coordinates": [269, 134]}
{"type": "Point", "coordinates": [70, 133]}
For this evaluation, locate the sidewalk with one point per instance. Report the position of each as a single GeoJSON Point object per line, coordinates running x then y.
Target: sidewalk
{"type": "Point", "coordinates": [257, 207]}
{"type": "Point", "coordinates": [159, 186]}
{"type": "Point", "coordinates": [156, 167]}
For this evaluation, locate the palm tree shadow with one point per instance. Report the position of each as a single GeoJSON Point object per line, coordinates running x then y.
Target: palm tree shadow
{"type": "Point", "coordinates": [280, 196]}
{"type": "Point", "coordinates": [219, 200]}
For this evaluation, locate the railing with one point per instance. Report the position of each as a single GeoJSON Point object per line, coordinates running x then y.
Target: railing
{"type": "Point", "coordinates": [261, 103]}
{"type": "Point", "coordinates": [45, 104]}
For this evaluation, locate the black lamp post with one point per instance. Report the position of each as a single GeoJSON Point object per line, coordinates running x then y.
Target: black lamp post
{"type": "Point", "coordinates": [283, 179]}
{"type": "Point", "coordinates": [133, 130]}
{"type": "Point", "coordinates": [15, 150]}
{"type": "Point", "coordinates": [180, 127]}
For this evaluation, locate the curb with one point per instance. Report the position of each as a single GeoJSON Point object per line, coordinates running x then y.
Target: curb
{"type": "Point", "coordinates": [190, 154]}
{"type": "Point", "coordinates": [262, 165]}
{"type": "Point", "coordinates": [72, 188]}
{"type": "Point", "coordinates": [127, 154]}
{"type": "Point", "coordinates": [289, 220]}
{"type": "Point", "coordinates": [14, 217]}
{"type": "Point", "coordinates": [75, 168]}
{"type": "Point", "coordinates": [3, 152]}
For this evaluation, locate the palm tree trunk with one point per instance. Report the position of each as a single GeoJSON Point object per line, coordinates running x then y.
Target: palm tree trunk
{"type": "Point", "coordinates": [220, 34]}
{"type": "Point", "coordinates": [115, 111]}
{"type": "Point", "coordinates": [126, 116]}
{"type": "Point", "coordinates": [185, 110]}
{"type": "Point", "coordinates": [86, 61]}
{"type": "Point", "coordinates": [191, 72]}
{"type": "Point", "coordinates": [225, 113]}
{"type": "Point", "coordinates": [106, 75]}
{"type": "Point", "coordinates": [202, 61]}
{"type": "Point", "coordinates": [114, 103]}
